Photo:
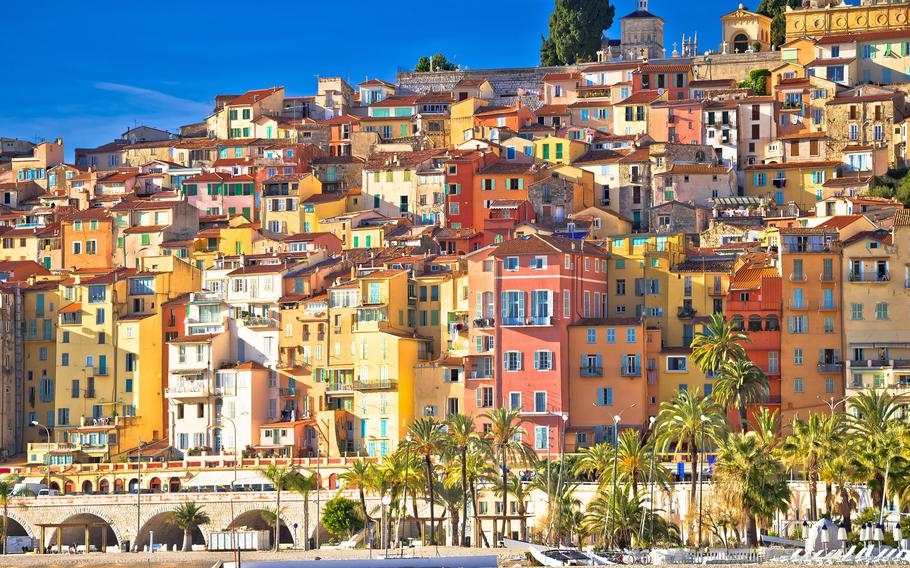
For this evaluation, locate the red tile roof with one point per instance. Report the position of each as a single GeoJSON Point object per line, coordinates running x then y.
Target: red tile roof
{"type": "Point", "coordinates": [251, 97]}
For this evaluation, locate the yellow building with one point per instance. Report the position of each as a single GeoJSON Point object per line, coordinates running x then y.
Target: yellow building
{"type": "Point", "coordinates": [559, 150]}
{"type": "Point", "coordinates": [442, 306]}
{"type": "Point", "coordinates": [461, 119]}
{"type": "Point", "coordinates": [638, 275]}
{"type": "Point", "coordinates": [743, 29]}
{"type": "Point", "coordinates": [630, 115]}
{"type": "Point", "coordinates": [439, 388]}
{"type": "Point", "coordinates": [827, 17]}
{"type": "Point", "coordinates": [372, 352]}
{"type": "Point", "coordinates": [40, 302]}
{"type": "Point", "coordinates": [282, 198]}
{"type": "Point", "coordinates": [604, 222]}
{"type": "Point", "coordinates": [801, 183]}
{"type": "Point", "coordinates": [108, 371]}
{"type": "Point", "coordinates": [695, 291]}
{"type": "Point", "coordinates": [239, 237]}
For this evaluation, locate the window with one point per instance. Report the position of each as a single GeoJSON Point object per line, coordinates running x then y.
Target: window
{"type": "Point", "coordinates": [511, 360]}
{"type": "Point", "coordinates": [798, 385]}
{"type": "Point", "coordinates": [97, 294]}
{"type": "Point", "coordinates": [611, 335]}
{"type": "Point", "coordinates": [798, 356]}
{"type": "Point", "coordinates": [856, 311]}
{"type": "Point", "coordinates": [539, 262]}
{"type": "Point", "coordinates": [515, 401]}
{"type": "Point", "coordinates": [630, 335]}
{"type": "Point", "coordinates": [605, 396]}
{"type": "Point", "coordinates": [540, 401]}
{"type": "Point", "coordinates": [541, 438]}
{"type": "Point", "coordinates": [543, 360]}
{"type": "Point", "coordinates": [881, 311]}
{"type": "Point", "coordinates": [510, 263]}
{"type": "Point", "coordinates": [678, 364]}
{"type": "Point", "coordinates": [592, 335]}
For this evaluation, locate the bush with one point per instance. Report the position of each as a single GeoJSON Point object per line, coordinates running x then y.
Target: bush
{"type": "Point", "coordinates": [341, 517]}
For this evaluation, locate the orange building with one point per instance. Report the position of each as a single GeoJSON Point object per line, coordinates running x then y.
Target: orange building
{"type": "Point", "coordinates": [501, 180]}
{"type": "Point", "coordinates": [811, 359]}
{"type": "Point", "coordinates": [608, 376]}
{"type": "Point", "coordinates": [754, 305]}
{"type": "Point", "coordinates": [513, 117]}
{"type": "Point", "coordinates": [87, 240]}
{"type": "Point", "coordinates": [340, 130]}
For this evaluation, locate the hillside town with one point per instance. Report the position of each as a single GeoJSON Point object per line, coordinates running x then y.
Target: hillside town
{"type": "Point", "coordinates": [316, 278]}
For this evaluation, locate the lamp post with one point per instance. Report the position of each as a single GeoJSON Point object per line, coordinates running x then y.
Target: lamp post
{"type": "Point", "coordinates": [138, 492]}
{"type": "Point", "coordinates": [616, 418]}
{"type": "Point", "coordinates": [47, 454]}
{"type": "Point", "coordinates": [831, 403]}
{"type": "Point", "coordinates": [404, 494]}
{"type": "Point", "coordinates": [562, 466]}
{"type": "Point", "coordinates": [641, 532]}
{"type": "Point", "coordinates": [386, 500]}
{"type": "Point", "coordinates": [701, 486]}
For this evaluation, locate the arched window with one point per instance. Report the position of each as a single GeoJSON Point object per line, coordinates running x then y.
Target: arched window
{"type": "Point", "coordinates": [772, 323]}
{"type": "Point", "coordinates": [118, 486]}
{"type": "Point", "coordinates": [104, 487]}
{"type": "Point", "coordinates": [740, 43]}
{"type": "Point", "coordinates": [699, 156]}
{"type": "Point", "coordinates": [754, 323]}
{"type": "Point", "coordinates": [736, 322]}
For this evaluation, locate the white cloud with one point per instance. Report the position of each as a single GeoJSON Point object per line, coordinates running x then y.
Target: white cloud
{"type": "Point", "coordinates": [159, 98]}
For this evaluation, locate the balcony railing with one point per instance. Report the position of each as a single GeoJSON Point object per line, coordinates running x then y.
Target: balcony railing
{"type": "Point", "coordinates": [284, 391]}
{"type": "Point", "coordinates": [870, 276]}
{"type": "Point", "coordinates": [258, 322]}
{"type": "Point", "coordinates": [716, 291]}
{"type": "Point", "coordinates": [484, 323]}
{"type": "Point", "coordinates": [630, 371]}
{"type": "Point", "coordinates": [481, 375]}
{"type": "Point", "coordinates": [797, 277]}
{"type": "Point", "coordinates": [588, 371]}
{"type": "Point", "coordinates": [206, 297]}
{"type": "Point", "coordinates": [538, 321]}
{"type": "Point", "coordinates": [187, 389]}
{"type": "Point", "coordinates": [800, 306]}
{"type": "Point", "coordinates": [375, 385]}
{"type": "Point", "coordinates": [685, 312]}
{"type": "Point", "coordinates": [829, 366]}
{"type": "Point", "coordinates": [879, 363]}
{"type": "Point", "coordinates": [337, 387]}
{"type": "Point", "coordinates": [823, 307]}
{"type": "Point", "coordinates": [810, 247]}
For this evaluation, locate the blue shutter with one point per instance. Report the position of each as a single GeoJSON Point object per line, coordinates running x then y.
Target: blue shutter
{"type": "Point", "coordinates": [505, 305]}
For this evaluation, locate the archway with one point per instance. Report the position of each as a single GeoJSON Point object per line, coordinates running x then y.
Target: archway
{"type": "Point", "coordinates": [118, 485]}
{"type": "Point", "coordinates": [74, 535]}
{"type": "Point", "coordinates": [16, 528]}
{"type": "Point", "coordinates": [165, 533]}
{"type": "Point", "coordinates": [69, 488]}
{"type": "Point", "coordinates": [155, 485]}
{"type": "Point", "coordinates": [86, 487]}
{"type": "Point", "coordinates": [254, 520]}
{"type": "Point", "coordinates": [133, 485]}
{"type": "Point", "coordinates": [104, 487]}
{"type": "Point", "coordinates": [173, 485]}
{"type": "Point", "coordinates": [740, 43]}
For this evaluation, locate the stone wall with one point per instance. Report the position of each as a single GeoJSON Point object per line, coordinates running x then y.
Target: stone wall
{"type": "Point", "coordinates": [734, 66]}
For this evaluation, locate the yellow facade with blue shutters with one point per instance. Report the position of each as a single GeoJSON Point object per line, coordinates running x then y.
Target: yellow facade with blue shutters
{"type": "Point", "coordinates": [801, 183]}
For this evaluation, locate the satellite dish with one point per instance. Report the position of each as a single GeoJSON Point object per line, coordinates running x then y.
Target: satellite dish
{"type": "Point", "coordinates": [660, 91]}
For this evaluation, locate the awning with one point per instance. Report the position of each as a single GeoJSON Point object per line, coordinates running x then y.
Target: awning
{"type": "Point", "coordinates": [879, 345]}
{"type": "Point", "coordinates": [74, 307]}
{"type": "Point", "coordinates": [224, 478]}
{"type": "Point", "coordinates": [187, 371]}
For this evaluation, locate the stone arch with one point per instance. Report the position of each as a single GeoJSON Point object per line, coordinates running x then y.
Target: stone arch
{"type": "Point", "coordinates": [86, 488]}
{"type": "Point", "coordinates": [251, 516]}
{"type": "Point", "coordinates": [76, 536]}
{"type": "Point", "coordinates": [25, 525]}
{"type": "Point", "coordinates": [740, 41]}
{"type": "Point", "coordinates": [165, 533]}
{"type": "Point", "coordinates": [104, 486]}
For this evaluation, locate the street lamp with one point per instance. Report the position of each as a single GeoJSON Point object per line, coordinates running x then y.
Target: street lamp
{"type": "Point", "coordinates": [562, 466]}
{"type": "Point", "coordinates": [831, 403]}
{"type": "Point", "coordinates": [651, 421]}
{"type": "Point", "coordinates": [402, 511]}
{"type": "Point", "coordinates": [47, 453]}
{"type": "Point", "coordinates": [616, 418]}
{"type": "Point", "coordinates": [701, 486]}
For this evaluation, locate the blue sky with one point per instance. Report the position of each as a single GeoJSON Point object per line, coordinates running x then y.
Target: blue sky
{"type": "Point", "coordinates": [87, 74]}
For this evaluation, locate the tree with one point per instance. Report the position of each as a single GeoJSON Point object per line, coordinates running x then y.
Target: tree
{"type": "Point", "coordinates": [280, 477]}
{"type": "Point", "coordinates": [806, 447]}
{"type": "Point", "coordinates": [633, 461]}
{"type": "Point", "coordinates": [719, 343]}
{"type": "Point", "coordinates": [477, 470]}
{"type": "Point", "coordinates": [625, 513]}
{"type": "Point", "coordinates": [749, 478]}
{"type": "Point", "coordinates": [188, 516]}
{"type": "Point", "coordinates": [360, 474]}
{"type": "Point", "coordinates": [576, 29]}
{"type": "Point", "coordinates": [427, 439]}
{"type": "Point", "coordinates": [507, 444]}
{"type": "Point", "coordinates": [757, 81]}
{"type": "Point", "coordinates": [462, 437]}
{"type": "Point", "coordinates": [775, 9]}
{"type": "Point", "coordinates": [303, 485]}
{"type": "Point", "coordinates": [685, 422]}
{"type": "Point", "coordinates": [437, 63]}
{"type": "Point", "coordinates": [520, 491]}
{"type": "Point", "coordinates": [339, 516]}
{"type": "Point", "coordinates": [739, 384]}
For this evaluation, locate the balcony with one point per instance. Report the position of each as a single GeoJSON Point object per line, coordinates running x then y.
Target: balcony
{"type": "Point", "coordinates": [630, 371]}
{"type": "Point", "coordinates": [826, 277]}
{"type": "Point", "coordinates": [286, 392]}
{"type": "Point", "coordinates": [187, 389]}
{"type": "Point", "coordinates": [258, 322]}
{"type": "Point", "coordinates": [878, 363]}
{"type": "Point", "coordinates": [590, 371]}
{"type": "Point", "coordinates": [538, 321]}
{"type": "Point", "coordinates": [484, 323]}
{"type": "Point", "coordinates": [827, 307]}
{"type": "Point", "coordinates": [829, 366]}
{"type": "Point", "coordinates": [480, 375]}
{"type": "Point", "coordinates": [797, 277]}
{"type": "Point", "coordinates": [375, 385]}
{"type": "Point", "coordinates": [716, 291]}
{"type": "Point", "coordinates": [779, 182]}
{"type": "Point", "coordinates": [206, 298]}
{"type": "Point", "coordinates": [806, 247]}
{"type": "Point", "coordinates": [685, 312]}
{"type": "Point", "coordinates": [870, 276]}
{"type": "Point", "coordinates": [800, 306]}
{"type": "Point", "coordinates": [339, 388]}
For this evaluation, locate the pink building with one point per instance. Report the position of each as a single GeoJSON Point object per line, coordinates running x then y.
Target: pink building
{"type": "Point", "coordinates": [480, 386]}
{"type": "Point", "coordinates": [219, 194]}
{"type": "Point", "coordinates": [676, 121]}
{"type": "Point", "coordinates": [543, 284]}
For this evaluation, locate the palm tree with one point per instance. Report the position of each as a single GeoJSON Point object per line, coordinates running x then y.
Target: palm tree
{"type": "Point", "coordinates": [280, 477]}
{"type": "Point", "coordinates": [839, 472]}
{"type": "Point", "coordinates": [451, 499]}
{"type": "Point", "coordinates": [747, 477]}
{"type": "Point", "coordinates": [359, 474]}
{"type": "Point", "coordinates": [477, 470]}
{"type": "Point", "coordinates": [633, 461]}
{"type": "Point", "coordinates": [461, 438]}
{"type": "Point", "coordinates": [7, 490]}
{"type": "Point", "coordinates": [718, 344]}
{"type": "Point", "coordinates": [188, 516]}
{"type": "Point", "coordinates": [520, 491]}
{"type": "Point", "coordinates": [427, 438]}
{"type": "Point", "coordinates": [507, 444]}
{"type": "Point", "coordinates": [884, 437]}
{"type": "Point", "coordinates": [739, 384]}
{"type": "Point", "coordinates": [806, 447]}
{"type": "Point", "coordinates": [767, 426]}
{"type": "Point", "coordinates": [684, 422]}
{"type": "Point", "coordinates": [303, 485]}
{"type": "Point", "coordinates": [625, 513]}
